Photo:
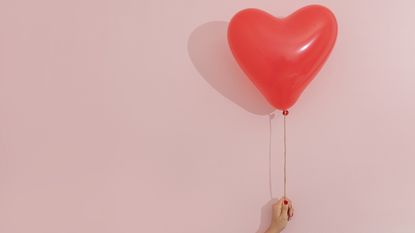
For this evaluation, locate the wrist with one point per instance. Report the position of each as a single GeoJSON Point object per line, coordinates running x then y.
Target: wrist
{"type": "Point", "coordinates": [273, 229]}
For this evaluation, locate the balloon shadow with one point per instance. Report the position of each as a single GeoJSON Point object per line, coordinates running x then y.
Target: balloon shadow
{"type": "Point", "coordinates": [210, 54]}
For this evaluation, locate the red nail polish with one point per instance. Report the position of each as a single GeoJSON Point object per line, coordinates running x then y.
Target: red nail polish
{"type": "Point", "coordinates": [285, 202]}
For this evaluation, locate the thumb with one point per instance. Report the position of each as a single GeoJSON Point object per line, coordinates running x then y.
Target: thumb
{"type": "Point", "coordinates": [284, 209]}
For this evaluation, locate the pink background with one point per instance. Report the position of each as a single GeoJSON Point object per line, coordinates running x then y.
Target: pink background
{"type": "Point", "coordinates": [127, 116]}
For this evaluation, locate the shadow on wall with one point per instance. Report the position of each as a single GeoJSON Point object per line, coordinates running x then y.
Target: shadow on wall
{"type": "Point", "coordinates": [209, 51]}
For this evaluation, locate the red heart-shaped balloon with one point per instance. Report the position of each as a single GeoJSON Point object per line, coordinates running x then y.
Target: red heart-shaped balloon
{"type": "Point", "coordinates": [282, 55]}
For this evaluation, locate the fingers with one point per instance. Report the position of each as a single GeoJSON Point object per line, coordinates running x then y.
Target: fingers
{"type": "Point", "coordinates": [290, 210]}
{"type": "Point", "coordinates": [283, 208]}
{"type": "Point", "coordinates": [290, 207]}
{"type": "Point", "coordinates": [290, 213]}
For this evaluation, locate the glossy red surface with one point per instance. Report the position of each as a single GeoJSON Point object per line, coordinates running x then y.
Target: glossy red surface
{"type": "Point", "coordinates": [282, 55]}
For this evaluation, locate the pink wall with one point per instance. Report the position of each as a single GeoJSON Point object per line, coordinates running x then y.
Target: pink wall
{"type": "Point", "coordinates": [127, 116]}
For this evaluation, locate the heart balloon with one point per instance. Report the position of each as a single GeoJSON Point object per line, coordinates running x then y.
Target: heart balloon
{"type": "Point", "coordinates": [282, 55]}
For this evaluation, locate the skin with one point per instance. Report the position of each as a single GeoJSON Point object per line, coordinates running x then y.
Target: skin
{"type": "Point", "coordinates": [281, 214]}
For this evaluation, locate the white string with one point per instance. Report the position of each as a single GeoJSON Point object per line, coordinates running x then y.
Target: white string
{"type": "Point", "coordinates": [271, 116]}
{"type": "Point", "coordinates": [285, 158]}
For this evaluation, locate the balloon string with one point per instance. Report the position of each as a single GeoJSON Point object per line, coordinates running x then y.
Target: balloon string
{"type": "Point", "coordinates": [270, 155]}
{"type": "Point", "coordinates": [271, 116]}
{"type": "Point", "coordinates": [285, 158]}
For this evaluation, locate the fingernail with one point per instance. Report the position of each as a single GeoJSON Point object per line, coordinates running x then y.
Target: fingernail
{"type": "Point", "coordinates": [285, 202]}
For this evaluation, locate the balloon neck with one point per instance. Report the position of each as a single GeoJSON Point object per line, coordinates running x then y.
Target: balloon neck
{"type": "Point", "coordinates": [285, 112]}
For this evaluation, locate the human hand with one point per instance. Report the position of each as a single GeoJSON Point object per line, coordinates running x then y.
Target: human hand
{"type": "Point", "coordinates": [282, 212]}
